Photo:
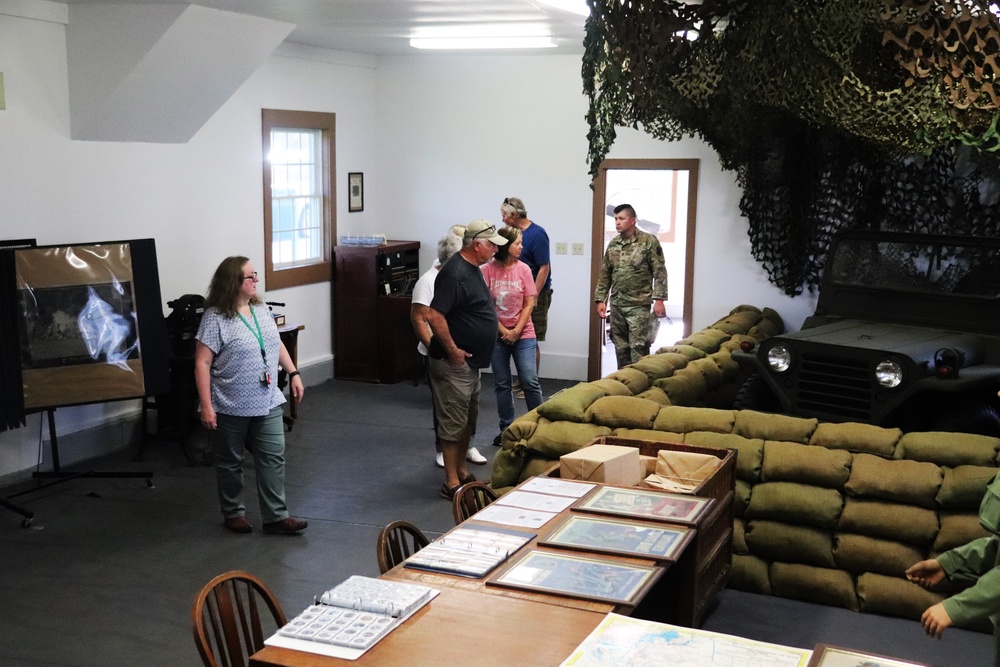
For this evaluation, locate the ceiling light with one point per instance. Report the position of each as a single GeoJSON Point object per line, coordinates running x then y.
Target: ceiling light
{"type": "Point", "coordinates": [575, 6]}
{"type": "Point", "coordinates": [484, 36]}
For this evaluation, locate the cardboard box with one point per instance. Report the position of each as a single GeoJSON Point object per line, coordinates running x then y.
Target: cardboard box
{"type": "Point", "coordinates": [609, 464]}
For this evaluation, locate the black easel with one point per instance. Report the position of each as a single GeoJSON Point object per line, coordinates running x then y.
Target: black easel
{"type": "Point", "coordinates": [58, 476]}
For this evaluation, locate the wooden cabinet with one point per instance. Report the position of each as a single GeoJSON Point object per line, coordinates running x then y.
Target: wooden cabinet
{"type": "Point", "coordinates": [373, 339]}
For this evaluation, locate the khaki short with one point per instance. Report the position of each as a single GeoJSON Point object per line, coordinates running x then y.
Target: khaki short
{"type": "Point", "coordinates": [456, 398]}
{"type": "Point", "coordinates": [540, 314]}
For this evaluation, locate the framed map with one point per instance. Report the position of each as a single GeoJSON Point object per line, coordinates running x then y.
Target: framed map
{"type": "Point", "coordinates": [642, 504]}
{"type": "Point", "coordinates": [625, 538]}
{"type": "Point", "coordinates": [825, 655]}
{"type": "Point", "coordinates": [588, 578]}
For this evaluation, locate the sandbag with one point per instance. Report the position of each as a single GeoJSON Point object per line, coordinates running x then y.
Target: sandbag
{"type": "Point", "coordinates": [957, 529]}
{"type": "Point", "coordinates": [750, 573]}
{"type": "Point", "coordinates": [964, 487]}
{"type": "Point", "coordinates": [741, 497]}
{"type": "Point", "coordinates": [860, 553]}
{"type": "Point", "coordinates": [949, 449]}
{"type": "Point", "coordinates": [623, 412]}
{"type": "Point", "coordinates": [749, 452]}
{"type": "Point", "coordinates": [889, 520]}
{"type": "Point", "coordinates": [709, 370]}
{"type": "Point", "coordinates": [680, 389]}
{"type": "Point", "coordinates": [706, 340]}
{"type": "Point", "coordinates": [571, 404]}
{"type": "Point", "coordinates": [536, 466]}
{"type": "Point", "coordinates": [857, 438]}
{"type": "Point", "coordinates": [791, 502]}
{"type": "Point", "coordinates": [740, 537]}
{"type": "Point", "coordinates": [752, 424]}
{"type": "Point", "coordinates": [814, 584]}
{"type": "Point", "coordinates": [792, 462]}
{"type": "Point", "coordinates": [612, 387]}
{"type": "Point", "coordinates": [774, 541]}
{"type": "Point", "coordinates": [658, 365]}
{"type": "Point", "coordinates": [656, 395]}
{"type": "Point", "coordinates": [893, 596]}
{"type": "Point", "coordinates": [681, 419]}
{"type": "Point", "coordinates": [727, 366]}
{"type": "Point", "coordinates": [645, 434]}
{"type": "Point", "coordinates": [688, 351]}
{"type": "Point", "coordinates": [633, 378]}
{"type": "Point", "coordinates": [910, 482]}
{"type": "Point", "coordinates": [520, 430]}
{"type": "Point", "coordinates": [506, 468]}
{"type": "Point", "coordinates": [553, 439]}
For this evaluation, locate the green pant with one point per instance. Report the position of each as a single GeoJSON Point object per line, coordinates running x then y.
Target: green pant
{"type": "Point", "coordinates": [633, 329]}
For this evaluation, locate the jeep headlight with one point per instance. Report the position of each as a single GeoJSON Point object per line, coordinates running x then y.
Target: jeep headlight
{"type": "Point", "coordinates": [889, 373]}
{"type": "Point", "coordinates": [779, 358]}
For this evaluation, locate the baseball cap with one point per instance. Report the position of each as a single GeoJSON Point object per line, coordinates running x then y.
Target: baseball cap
{"type": "Point", "coordinates": [516, 204]}
{"type": "Point", "coordinates": [484, 229]}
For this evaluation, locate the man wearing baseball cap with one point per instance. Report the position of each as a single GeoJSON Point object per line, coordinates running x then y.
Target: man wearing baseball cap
{"type": "Point", "coordinates": [464, 326]}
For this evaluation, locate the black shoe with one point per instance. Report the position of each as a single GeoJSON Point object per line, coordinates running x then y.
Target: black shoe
{"type": "Point", "coordinates": [287, 526]}
{"type": "Point", "coordinates": [468, 478]}
{"type": "Point", "coordinates": [448, 492]}
{"type": "Point", "coordinates": [497, 440]}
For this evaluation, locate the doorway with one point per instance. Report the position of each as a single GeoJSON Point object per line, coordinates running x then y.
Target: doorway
{"type": "Point", "coordinates": [664, 196]}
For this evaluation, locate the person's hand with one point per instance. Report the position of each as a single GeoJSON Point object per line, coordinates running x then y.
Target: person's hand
{"type": "Point", "coordinates": [458, 357]}
{"type": "Point", "coordinates": [602, 310]}
{"type": "Point", "coordinates": [926, 573]}
{"type": "Point", "coordinates": [935, 619]}
{"type": "Point", "coordinates": [298, 388]}
{"type": "Point", "coordinates": [208, 419]}
{"type": "Point", "coordinates": [659, 308]}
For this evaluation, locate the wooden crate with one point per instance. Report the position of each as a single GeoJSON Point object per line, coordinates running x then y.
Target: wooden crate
{"type": "Point", "coordinates": [706, 572]}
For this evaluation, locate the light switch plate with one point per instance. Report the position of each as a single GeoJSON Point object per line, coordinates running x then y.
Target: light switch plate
{"type": "Point", "coordinates": [560, 247]}
{"type": "Point", "coordinates": [577, 248]}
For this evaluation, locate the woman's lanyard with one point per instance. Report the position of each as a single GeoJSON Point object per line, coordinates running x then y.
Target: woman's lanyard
{"type": "Point", "coordinates": [265, 377]}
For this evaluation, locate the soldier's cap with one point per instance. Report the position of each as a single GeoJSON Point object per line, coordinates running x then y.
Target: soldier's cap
{"type": "Point", "coordinates": [484, 229]}
{"type": "Point", "coordinates": [515, 204]}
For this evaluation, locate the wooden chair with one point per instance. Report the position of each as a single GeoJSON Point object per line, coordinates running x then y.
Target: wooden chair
{"type": "Point", "coordinates": [397, 542]}
{"type": "Point", "coordinates": [226, 619]}
{"type": "Point", "coordinates": [470, 498]}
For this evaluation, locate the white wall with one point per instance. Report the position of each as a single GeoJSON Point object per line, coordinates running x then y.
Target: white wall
{"type": "Point", "coordinates": [440, 139]}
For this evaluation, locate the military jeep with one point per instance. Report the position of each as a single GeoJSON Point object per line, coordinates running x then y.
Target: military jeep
{"type": "Point", "coordinates": [906, 334]}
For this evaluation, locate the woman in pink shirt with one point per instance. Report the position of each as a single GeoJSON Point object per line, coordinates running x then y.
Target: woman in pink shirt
{"type": "Point", "coordinates": [513, 290]}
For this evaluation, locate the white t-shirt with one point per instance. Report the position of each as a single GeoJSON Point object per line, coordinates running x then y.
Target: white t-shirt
{"type": "Point", "coordinates": [423, 294]}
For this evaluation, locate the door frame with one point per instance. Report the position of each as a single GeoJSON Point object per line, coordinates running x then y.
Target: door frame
{"type": "Point", "coordinates": [599, 187]}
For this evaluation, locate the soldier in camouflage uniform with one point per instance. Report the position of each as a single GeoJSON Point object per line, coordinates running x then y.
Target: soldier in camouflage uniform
{"type": "Point", "coordinates": [634, 274]}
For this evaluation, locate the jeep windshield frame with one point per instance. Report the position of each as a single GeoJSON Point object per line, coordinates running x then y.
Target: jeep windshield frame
{"type": "Point", "coordinates": [950, 282]}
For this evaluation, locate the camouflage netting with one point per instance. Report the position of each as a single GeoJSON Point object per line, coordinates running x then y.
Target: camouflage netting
{"type": "Point", "coordinates": [835, 114]}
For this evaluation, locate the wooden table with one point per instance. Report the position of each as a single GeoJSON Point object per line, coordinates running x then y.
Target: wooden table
{"type": "Point", "coordinates": [463, 627]}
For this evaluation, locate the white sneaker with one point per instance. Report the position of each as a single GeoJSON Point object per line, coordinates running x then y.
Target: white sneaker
{"type": "Point", "coordinates": [439, 460]}
{"type": "Point", "coordinates": [473, 456]}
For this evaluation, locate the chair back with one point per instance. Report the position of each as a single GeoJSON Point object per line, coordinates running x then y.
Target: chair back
{"type": "Point", "coordinates": [397, 542]}
{"type": "Point", "coordinates": [470, 498]}
{"type": "Point", "coordinates": [227, 619]}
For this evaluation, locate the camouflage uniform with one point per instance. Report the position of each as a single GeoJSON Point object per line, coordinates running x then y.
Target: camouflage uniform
{"type": "Point", "coordinates": [634, 273]}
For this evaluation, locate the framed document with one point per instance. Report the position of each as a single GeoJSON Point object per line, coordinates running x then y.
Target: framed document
{"type": "Point", "coordinates": [355, 192]}
{"type": "Point", "coordinates": [624, 538]}
{"type": "Point", "coordinates": [643, 504]}
{"type": "Point", "coordinates": [575, 576]}
{"type": "Point", "coordinates": [835, 656]}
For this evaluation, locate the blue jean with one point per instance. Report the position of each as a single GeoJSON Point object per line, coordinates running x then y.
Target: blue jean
{"type": "Point", "coordinates": [523, 352]}
{"type": "Point", "coordinates": [266, 438]}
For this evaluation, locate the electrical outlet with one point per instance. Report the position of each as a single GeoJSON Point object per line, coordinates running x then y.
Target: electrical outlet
{"type": "Point", "coordinates": [561, 248]}
{"type": "Point", "coordinates": [577, 248]}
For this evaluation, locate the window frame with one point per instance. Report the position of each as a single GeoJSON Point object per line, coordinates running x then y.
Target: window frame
{"type": "Point", "coordinates": [318, 271]}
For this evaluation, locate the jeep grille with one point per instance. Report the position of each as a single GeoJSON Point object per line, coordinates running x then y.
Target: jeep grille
{"type": "Point", "coordinates": [834, 387]}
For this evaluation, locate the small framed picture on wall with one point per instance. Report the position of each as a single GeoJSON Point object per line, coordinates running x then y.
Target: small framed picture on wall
{"type": "Point", "coordinates": [355, 191]}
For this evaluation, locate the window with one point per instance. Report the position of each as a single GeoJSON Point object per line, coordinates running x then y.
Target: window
{"type": "Point", "coordinates": [299, 222]}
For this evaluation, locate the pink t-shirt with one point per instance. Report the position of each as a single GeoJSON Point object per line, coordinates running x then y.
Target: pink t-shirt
{"type": "Point", "coordinates": [509, 286]}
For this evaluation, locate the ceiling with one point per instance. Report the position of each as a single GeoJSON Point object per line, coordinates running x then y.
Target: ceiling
{"type": "Point", "coordinates": [384, 27]}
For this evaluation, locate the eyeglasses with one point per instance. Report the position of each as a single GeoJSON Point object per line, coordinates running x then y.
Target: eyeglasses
{"type": "Point", "coordinates": [252, 277]}
{"type": "Point", "coordinates": [489, 231]}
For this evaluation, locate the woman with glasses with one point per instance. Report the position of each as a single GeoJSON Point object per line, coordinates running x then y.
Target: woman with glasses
{"type": "Point", "coordinates": [514, 294]}
{"type": "Point", "coordinates": [237, 355]}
